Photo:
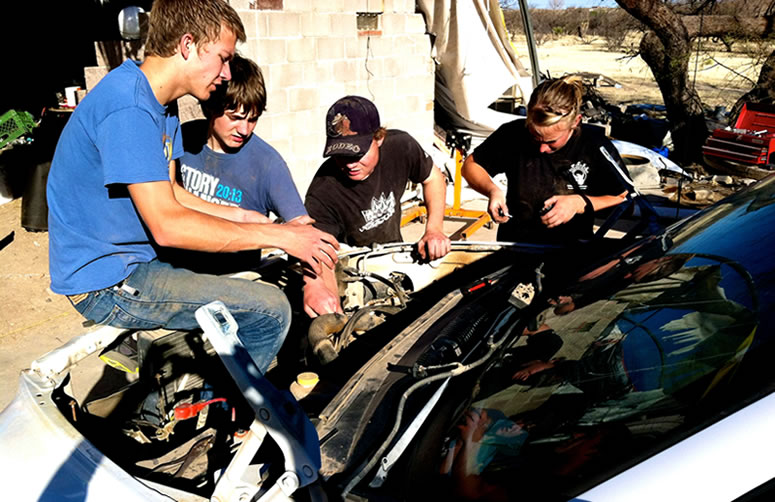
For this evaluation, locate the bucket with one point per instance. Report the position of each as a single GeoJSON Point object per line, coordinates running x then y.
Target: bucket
{"type": "Point", "coordinates": [34, 204]}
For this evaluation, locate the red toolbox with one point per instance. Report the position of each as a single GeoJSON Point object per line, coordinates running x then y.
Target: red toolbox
{"type": "Point", "coordinates": [751, 141]}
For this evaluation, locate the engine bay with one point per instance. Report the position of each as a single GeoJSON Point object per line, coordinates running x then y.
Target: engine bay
{"type": "Point", "coordinates": [164, 407]}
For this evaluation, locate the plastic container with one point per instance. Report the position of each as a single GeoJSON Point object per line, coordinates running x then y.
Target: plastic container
{"type": "Point", "coordinates": [305, 383]}
{"type": "Point", "coordinates": [14, 124]}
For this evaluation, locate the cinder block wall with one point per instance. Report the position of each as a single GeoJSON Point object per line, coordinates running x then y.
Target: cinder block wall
{"type": "Point", "coordinates": [312, 53]}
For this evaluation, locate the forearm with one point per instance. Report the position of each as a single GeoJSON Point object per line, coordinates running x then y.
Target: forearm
{"type": "Point", "coordinates": [604, 201]}
{"type": "Point", "coordinates": [435, 194]}
{"type": "Point", "coordinates": [200, 231]}
{"type": "Point", "coordinates": [477, 178]}
{"type": "Point", "coordinates": [173, 224]}
{"type": "Point", "coordinates": [326, 280]}
{"type": "Point", "coordinates": [321, 293]}
{"type": "Point", "coordinates": [231, 213]}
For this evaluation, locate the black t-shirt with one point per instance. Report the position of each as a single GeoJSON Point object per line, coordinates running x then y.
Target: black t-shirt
{"type": "Point", "coordinates": [532, 177]}
{"type": "Point", "coordinates": [361, 213]}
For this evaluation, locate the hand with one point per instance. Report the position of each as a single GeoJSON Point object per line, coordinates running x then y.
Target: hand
{"type": "Point", "coordinates": [433, 245]}
{"type": "Point", "coordinates": [564, 208]}
{"type": "Point", "coordinates": [312, 246]}
{"type": "Point", "coordinates": [497, 207]}
{"type": "Point", "coordinates": [476, 424]}
{"type": "Point", "coordinates": [319, 300]}
{"type": "Point", "coordinates": [531, 368]}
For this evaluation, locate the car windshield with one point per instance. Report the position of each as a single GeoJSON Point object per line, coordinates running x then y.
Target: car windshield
{"type": "Point", "coordinates": [661, 340]}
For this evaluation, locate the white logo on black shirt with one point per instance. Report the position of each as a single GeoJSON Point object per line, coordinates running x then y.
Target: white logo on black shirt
{"type": "Point", "coordinates": [579, 171]}
{"type": "Point", "coordinates": [382, 208]}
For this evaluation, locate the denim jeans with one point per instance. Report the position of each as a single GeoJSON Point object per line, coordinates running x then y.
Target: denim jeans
{"type": "Point", "coordinates": [157, 295]}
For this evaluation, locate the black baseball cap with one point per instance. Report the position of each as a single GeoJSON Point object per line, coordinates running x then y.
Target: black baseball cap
{"type": "Point", "coordinates": [350, 126]}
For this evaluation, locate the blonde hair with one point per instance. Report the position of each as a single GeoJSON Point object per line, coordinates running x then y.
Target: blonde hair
{"type": "Point", "coordinates": [555, 100]}
{"type": "Point", "coordinates": [203, 19]}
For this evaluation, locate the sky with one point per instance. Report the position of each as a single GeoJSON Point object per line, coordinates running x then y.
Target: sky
{"type": "Point", "coordinates": [544, 4]}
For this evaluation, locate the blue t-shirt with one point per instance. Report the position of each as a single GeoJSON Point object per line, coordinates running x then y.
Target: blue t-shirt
{"type": "Point", "coordinates": [118, 135]}
{"type": "Point", "coordinates": [255, 177]}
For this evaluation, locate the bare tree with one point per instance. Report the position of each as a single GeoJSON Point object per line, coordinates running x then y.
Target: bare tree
{"type": "Point", "coordinates": [666, 48]}
{"type": "Point", "coordinates": [556, 4]}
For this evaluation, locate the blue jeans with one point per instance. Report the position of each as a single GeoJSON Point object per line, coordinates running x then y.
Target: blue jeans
{"type": "Point", "coordinates": [157, 295]}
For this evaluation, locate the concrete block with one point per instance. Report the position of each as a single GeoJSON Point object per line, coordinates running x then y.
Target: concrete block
{"type": "Point", "coordinates": [307, 121]}
{"type": "Point", "coordinates": [283, 147]}
{"type": "Point", "coordinates": [276, 102]}
{"type": "Point", "coordinates": [356, 88]}
{"type": "Point", "coordinates": [393, 23]}
{"type": "Point", "coordinates": [298, 5]}
{"type": "Point", "coordinates": [111, 53]}
{"type": "Point", "coordinates": [264, 129]}
{"type": "Point", "coordinates": [394, 67]}
{"type": "Point", "coordinates": [355, 47]}
{"type": "Point", "coordinates": [250, 22]}
{"type": "Point", "coordinates": [93, 74]}
{"type": "Point", "coordinates": [415, 25]}
{"type": "Point", "coordinates": [421, 85]}
{"type": "Point", "coordinates": [262, 24]}
{"type": "Point", "coordinates": [283, 126]}
{"type": "Point", "coordinates": [301, 50]}
{"type": "Point", "coordinates": [242, 5]}
{"type": "Point", "coordinates": [286, 75]}
{"type": "Point", "coordinates": [328, 5]}
{"type": "Point", "coordinates": [329, 94]}
{"type": "Point", "coordinates": [405, 6]}
{"type": "Point", "coordinates": [271, 51]}
{"type": "Point", "coordinates": [346, 70]}
{"type": "Point", "coordinates": [318, 73]}
{"type": "Point", "coordinates": [189, 109]}
{"type": "Point", "coordinates": [303, 98]}
{"type": "Point", "coordinates": [314, 24]}
{"type": "Point", "coordinates": [330, 48]}
{"type": "Point", "coordinates": [307, 145]}
{"type": "Point", "coordinates": [409, 45]}
{"type": "Point", "coordinates": [283, 24]}
{"type": "Point", "coordinates": [382, 89]}
{"type": "Point", "coordinates": [344, 24]}
{"type": "Point", "coordinates": [375, 6]}
{"type": "Point", "coordinates": [356, 5]}
{"type": "Point", "coordinates": [379, 46]}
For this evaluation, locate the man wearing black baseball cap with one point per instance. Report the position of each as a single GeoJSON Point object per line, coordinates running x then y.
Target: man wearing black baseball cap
{"type": "Point", "coordinates": [356, 193]}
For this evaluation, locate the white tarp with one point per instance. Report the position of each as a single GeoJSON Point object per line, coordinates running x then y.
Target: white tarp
{"type": "Point", "coordinates": [475, 63]}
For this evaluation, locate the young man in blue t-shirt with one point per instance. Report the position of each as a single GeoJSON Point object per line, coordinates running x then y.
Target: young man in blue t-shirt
{"type": "Point", "coordinates": [112, 201]}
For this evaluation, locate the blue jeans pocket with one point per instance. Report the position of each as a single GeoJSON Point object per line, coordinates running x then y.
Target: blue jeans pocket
{"type": "Point", "coordinates": [104, 307]}
{"type": "Point", "coordinates": [120, 318]}
{"type": "Point", "coordinates": [95, 307]}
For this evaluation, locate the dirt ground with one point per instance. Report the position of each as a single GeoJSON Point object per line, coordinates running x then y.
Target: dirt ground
{"type": "Point", "coordinates": [721, 77]}
{"type": "Point", "coordinates": [34, 320]}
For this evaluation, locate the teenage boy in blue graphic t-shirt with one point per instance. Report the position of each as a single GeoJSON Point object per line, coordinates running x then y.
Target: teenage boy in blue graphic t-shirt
{"type": "Point", "coordinates": [225, 163]}
{"type": "Point", "coordinates": [112, 201]}
{"type": "Point", "coordinates": [231, 165]}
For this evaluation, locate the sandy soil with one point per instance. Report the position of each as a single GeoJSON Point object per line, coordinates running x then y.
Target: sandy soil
{"type": "Point", "coordinates": [33, 319]}
{"type": "Point", "coordinates": [721, 77]}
